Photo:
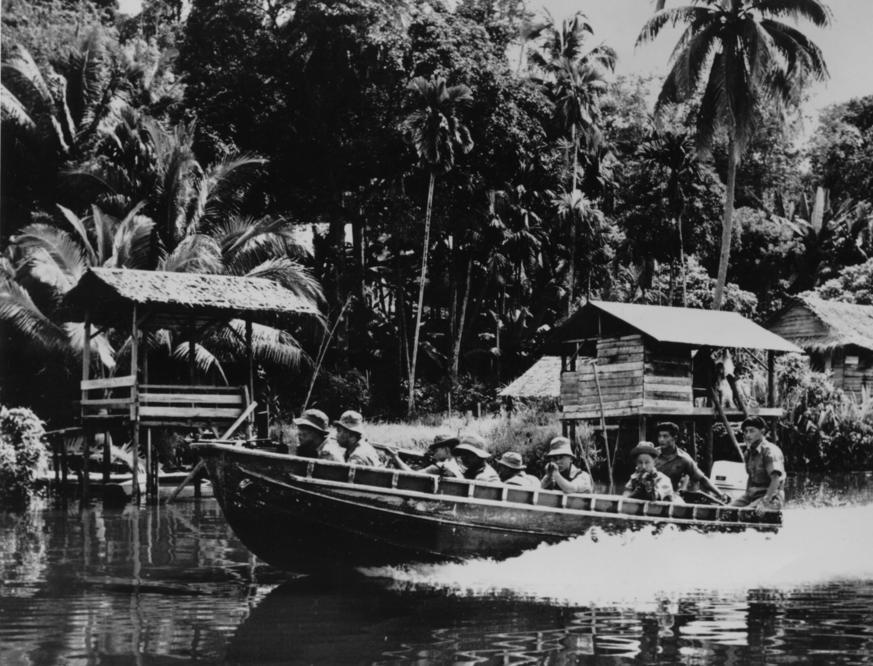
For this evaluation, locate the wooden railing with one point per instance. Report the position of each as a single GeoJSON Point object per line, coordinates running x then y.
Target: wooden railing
{"type": "Point", "coordinates": [122, 398]}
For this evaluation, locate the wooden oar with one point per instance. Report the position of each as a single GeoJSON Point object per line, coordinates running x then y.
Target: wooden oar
{"type": "Point", "coordinates": [199, 466]}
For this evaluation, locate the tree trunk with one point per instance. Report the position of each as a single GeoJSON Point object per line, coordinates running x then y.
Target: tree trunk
{"type": "Point", "coordinates": [682, 273]}
{"type": "Point", "coordinates": [573, 222]}
{"type": "Point", "coordinates": [456, 351]}
{"type": "Point", "coordinates": [727, 226]}
{"type": "Point", "coordinates": [410, 401]}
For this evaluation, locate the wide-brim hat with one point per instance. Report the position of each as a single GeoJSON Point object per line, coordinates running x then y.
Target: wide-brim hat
{"type": "Point", "coordinates": [754, 422]}
{"type": "Point", "coordinates": [512, 460]}
{"type": "Point", "coordinates": [443, 439]}
{"type": "Point", "coordinates": [472, 443]}
{"type": "Point", "coordinates": [645, 447]}
{"type": "Point", "coordinates": [313, 418]}
{"type": "Point", "coordinates": [560, 446]}
{"type": "Point", "coordinates": [351, 421]}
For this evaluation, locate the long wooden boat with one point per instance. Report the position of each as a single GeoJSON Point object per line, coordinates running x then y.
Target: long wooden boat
{"type": "Point", "coordinates": [299, 513]}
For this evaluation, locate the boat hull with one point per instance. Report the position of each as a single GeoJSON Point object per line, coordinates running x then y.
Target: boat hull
{"type": "Point", "coordinates": [299, 514]}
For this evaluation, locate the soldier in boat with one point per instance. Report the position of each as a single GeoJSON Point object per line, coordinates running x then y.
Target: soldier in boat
{"type": "Point", "coordinates": [511, 469]}
{"type": "Point", "coordinates": [678, 466]}
{"type": "Point", "coordinates": [315, 439]}
{"type": "Point", "coordinates": [561, 473]}
{"type": "Point", "coordinates": [472, 454]}
{"type": "Point", "coordinates": [765, 466]}
{"type": "Point", "coordinates": [350, 435]}
{"type": "Point", "coordinates": [647, 483]}
{"type": "Point", "coordinates": [440, 452]}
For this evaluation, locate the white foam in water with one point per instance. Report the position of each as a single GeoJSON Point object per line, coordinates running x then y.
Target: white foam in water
{"type": "Point", "coordinates": [815, 545]}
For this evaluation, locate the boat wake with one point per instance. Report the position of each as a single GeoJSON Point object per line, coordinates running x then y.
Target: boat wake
{"type": "Point", "coordinates": [816, 546]}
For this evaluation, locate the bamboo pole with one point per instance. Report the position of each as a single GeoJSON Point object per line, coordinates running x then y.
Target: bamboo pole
{"type": "Point", "coordinates": [251, 382]}
{"type": "Point", "coordinates": [134, 420]}
{"type": "Point", "coordinates": [86, 374]}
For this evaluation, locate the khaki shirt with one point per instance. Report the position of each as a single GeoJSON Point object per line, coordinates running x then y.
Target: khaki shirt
{"type": "Point", "coordinates": [578, 479]}
{"type": "Point", "coordinates": [677, 465]}
{"type": "Point", "coordinates": [524, 480]}
{"type": "Point", "coordinates": [761, 461]}
{"type": "Point", "coordinates": [484, 473]}
{"type": "Point", "coordinates": [448, 467]}
{"type": "Point", "coordinates": [650, 486]}
{"type": "Point", "coordinates": [364, 454]}
{"type": "Point", "coordinates": [330, 449]}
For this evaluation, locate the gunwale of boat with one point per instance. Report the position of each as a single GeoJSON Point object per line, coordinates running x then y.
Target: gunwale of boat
{"type": "Point", "coordinates": [412, 485]}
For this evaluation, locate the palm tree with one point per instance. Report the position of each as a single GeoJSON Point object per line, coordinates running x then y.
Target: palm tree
{"type": "Point", "coordinates": [746, 56]}
{"type": "Point", "coordinates": [574, 79]}
{"type": "Point", "coordinates": [673, 152]}
{"type": "Point", "coordinates": [435, 131]}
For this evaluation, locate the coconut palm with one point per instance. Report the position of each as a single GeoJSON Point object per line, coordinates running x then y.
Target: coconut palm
{"type": "Point", "coordinates": [743, 55]}
{"type": "Point", "coordinates": [435, 131]}
{"type": "Point", "coordinates": [574, 78]}
{"type": "Point", "coordinates": [673, 152]}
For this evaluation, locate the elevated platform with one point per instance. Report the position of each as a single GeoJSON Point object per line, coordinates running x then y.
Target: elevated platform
{"type": "Point", "coordinates": [123, 399]}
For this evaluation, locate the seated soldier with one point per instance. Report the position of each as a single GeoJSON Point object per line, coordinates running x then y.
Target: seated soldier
{"type": "Point", "coordinates": [472, 454]}
{"type": "Point", "coordinates": [647, 483]}
{"type": "Point", "coordinates": [765, 467]}
{"type": "Point", "coordinates": [314, 438]}
{"type": "Point", "coordinates": [561, 473]}
{"type": "Point", "coordinates": [676, 464]}
{"type": "Point", "coordinates": [440, 452]}
{"type": "Point", "coordinates": [350, 435]}
{"type": "Point", "coordinates": [510, 467]}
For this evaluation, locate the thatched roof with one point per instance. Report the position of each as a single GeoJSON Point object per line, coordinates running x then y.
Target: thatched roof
{"type": "Point", "coordinates": [843, 324]}
{"type": "Point", "coordinates": [685, 326]}
{"type": "Point", "coordinates": [171, 298]}
{"type": "Point", "coordinates": [542, 380]}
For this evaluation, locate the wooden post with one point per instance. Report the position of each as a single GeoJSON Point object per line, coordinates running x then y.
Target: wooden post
{"type": "Point", "coordinates": [86, 432]}
{"type": "Point", "coordinates": [708, 446]}
{"type": "Point", "coordinates": [771, 379]}
{"type": "Point", "coordinates": [641, 428]}
{"type": "Point", "coordinates": [148, 469]}
{"type": "Point", "coordinates": [251, 384]}
{"type": "Point", "coordinates": [134, 407]}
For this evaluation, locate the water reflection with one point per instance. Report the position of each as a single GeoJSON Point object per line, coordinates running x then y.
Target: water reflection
{"type": "Point", "coordinates": [159, 584]}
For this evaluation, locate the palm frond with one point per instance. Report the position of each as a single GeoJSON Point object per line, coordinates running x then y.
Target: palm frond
{"type": "Point", "coordinates": [674, 16]}
{"type": "Point", "coordinates": [197, 253]}
{"type": "Point", "coordinates": [293, 276]}
{"type": "Point", "coordinates": [100, 347]}
{"type": "Point", "coordinates": [78, 225]}
{"type": "Point", "coordinates": [19, 311]}
{"type": "Point", "coordinates": [46, 245]}
{"type": "Point", "coordinates": [813, 10]}
{"type": "Point", "coordinates": [204, 360]}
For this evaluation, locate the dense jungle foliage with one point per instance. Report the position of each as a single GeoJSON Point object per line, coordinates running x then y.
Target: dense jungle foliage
{"type": "Point", "coordinates": [443, 180]}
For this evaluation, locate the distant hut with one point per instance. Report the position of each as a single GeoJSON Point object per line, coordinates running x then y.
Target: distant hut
{"type": "Point", "coordinates": [837, 336]}
{"type": "Point", "coordinates": [540, 384]}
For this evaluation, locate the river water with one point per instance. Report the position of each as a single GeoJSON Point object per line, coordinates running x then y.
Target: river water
{"type": "Point", "coordinates": [171, 584]}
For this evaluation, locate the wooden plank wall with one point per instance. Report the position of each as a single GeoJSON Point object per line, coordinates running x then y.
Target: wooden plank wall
{"type": "Point", "coordinates": [797, 322]}
{"type": "Point", "coordinates": [620, 364]}
{"type": "Point", "coordinates": [667, 379]}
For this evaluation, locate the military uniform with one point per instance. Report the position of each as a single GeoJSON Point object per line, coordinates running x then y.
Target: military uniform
{"type": "Point", "coordinates": [654, 486]}
{"type": "Point", "coordinates": [577, 478]}
{"type": "Point", "coordinates": [761, 462]}
{"type": "Point", "coordinates": [330, 449]}
{"type": "Point", "coordinates": [676, 465]}
{"type": "Point", "coordinates": [363, 454]}
{"type": "Point", "coordinates": [484, 473]}
{"type": "Point", "coordinates": [449, 468]}
{"type": "Point", "coordinates": [523, 480]}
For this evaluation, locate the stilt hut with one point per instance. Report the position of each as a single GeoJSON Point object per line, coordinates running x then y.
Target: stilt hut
{"type": "Point", "coordinates": [628, 366]}
{"type": "Point", "coordinates": [837, 336]}
{"type": "Point", "coordinates": [191, 305]}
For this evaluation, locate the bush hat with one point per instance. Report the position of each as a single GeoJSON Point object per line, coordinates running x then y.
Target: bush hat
{"type": "Point", "coordinates": [560, 446]}
{"type": "Point", "coordinates": [443, 439]}
{"type": "Point", "coordinates": [512, 460]}
{"type": "Point", "coordinates": [351, 421]}
{"type": "Point", "coordinates": [669, 427]}
{"type": "Point", "coordinates": [644, 447]}
{"type": "Point", "coordinates": [754, 422]}
{"type": "Point", "coordinates": [472, 443]}
{"type": "Point", "coordinates": [315, 419]}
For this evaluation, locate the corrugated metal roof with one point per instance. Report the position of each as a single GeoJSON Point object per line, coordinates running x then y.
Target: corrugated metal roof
{"type": "Point", "coordinates": [541, 380]}
{"type": "Point", "coordinates": [698, 328]}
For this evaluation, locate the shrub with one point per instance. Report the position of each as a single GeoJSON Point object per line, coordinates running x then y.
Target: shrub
{"type": "Point", "coordinates": [22, 454]}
